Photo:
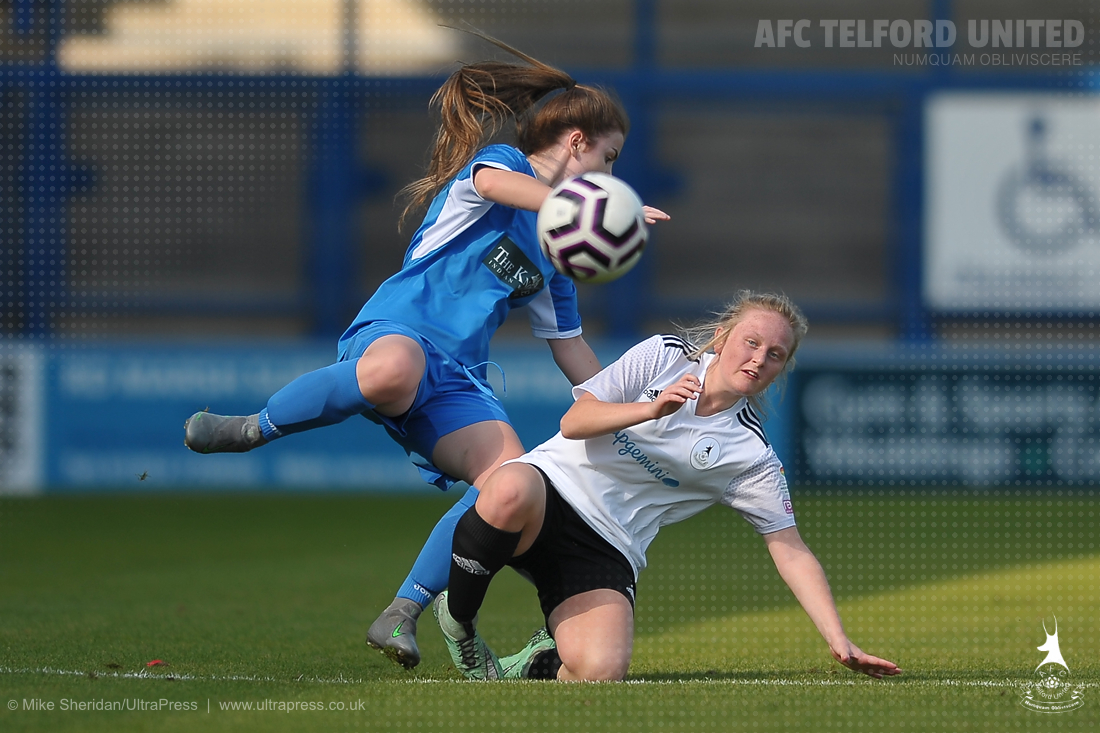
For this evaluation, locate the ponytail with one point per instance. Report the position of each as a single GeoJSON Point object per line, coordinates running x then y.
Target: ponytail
{"type": "Point", "coordinates": [477, 100]}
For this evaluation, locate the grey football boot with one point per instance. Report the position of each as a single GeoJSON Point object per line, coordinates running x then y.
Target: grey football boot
{"type": "Point", "coordinates": [471, 655]}
{"type": "Point", "coordinates": [518, 666]}
{"type": "Point", "coordinates": [205, 432]}
{"type": "Point", "coordinates": [394, 632]}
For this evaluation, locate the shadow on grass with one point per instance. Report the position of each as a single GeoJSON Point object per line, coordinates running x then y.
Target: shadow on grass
{"type": "Point", "coordinates": [210, 565]}
{"type": "Point", "coordinates": [835, 676]}
{"type": "Point", "coordinates": [752, 677]}
{"type": "Point", "coordinates": [868, 542]}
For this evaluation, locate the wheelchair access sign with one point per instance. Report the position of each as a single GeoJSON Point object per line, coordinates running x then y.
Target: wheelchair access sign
{"type": "Point", "coordinates": [1012, 209]}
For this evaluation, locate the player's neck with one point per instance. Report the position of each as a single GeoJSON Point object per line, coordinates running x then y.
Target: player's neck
{"type": "Point", "coordinates": [550, 164]}
{"type": "Point", "coordinates": [713, 401]}
{"type": "Point", "coordinates": [717, 395]}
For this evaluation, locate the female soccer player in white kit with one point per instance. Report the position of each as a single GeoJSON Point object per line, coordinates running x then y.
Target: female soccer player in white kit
{"type": "Point", "coordinates": [666, 431]}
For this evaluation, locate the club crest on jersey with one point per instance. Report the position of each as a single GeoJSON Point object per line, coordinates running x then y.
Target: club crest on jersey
{"type": "Point", "coordinates": [704, 454]}
{"type": "Point", "coordinates": [514, 269]}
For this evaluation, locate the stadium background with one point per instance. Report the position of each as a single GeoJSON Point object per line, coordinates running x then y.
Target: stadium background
{"type": "Point", "coordinates": [197, 197]}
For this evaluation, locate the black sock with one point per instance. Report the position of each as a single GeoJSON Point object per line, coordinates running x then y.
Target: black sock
{"type": "Point", "coordinates": [545, 666]}
{"type": "Point", "coordinates": [479, 550]}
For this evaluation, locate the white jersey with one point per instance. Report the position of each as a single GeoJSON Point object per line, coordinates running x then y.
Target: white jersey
{"type": "Point", "coordinates": [629, 484]}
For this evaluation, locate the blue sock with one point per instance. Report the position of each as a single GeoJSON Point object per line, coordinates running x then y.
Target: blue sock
{"type": "Point", "coordinates": [323, 397]}
{"type": "Point", "coordinates": [432, 569]}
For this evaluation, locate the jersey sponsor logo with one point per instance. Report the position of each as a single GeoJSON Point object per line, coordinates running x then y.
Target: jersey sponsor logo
{"type": "Point", "coordinates": [473, 567]}
{"type": "Point", "coordinates": [631, 450]}
{"type": "Point", "coordinates": [652, 394]}
{"type": "Point", "coordinates": [514, 268]}
{"type": "Point", "coordinates": [704, 454]}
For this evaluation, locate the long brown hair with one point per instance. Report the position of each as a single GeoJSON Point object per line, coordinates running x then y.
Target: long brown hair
{"type": "Point", "coordinates": [478, 99]}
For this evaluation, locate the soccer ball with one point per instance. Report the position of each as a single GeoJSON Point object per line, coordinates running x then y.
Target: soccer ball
{"type": "Point", "coordinates": [592, 228]}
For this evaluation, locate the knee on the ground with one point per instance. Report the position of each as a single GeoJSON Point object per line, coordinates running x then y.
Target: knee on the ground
{"type": "Point", "coordinates": [609, 666]}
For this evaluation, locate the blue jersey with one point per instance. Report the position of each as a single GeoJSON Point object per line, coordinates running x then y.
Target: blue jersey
{"type": "Point", "coordinates": [469, 264]}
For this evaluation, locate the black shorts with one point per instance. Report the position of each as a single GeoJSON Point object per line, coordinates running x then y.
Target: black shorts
{"type": "Point", "coordinates": [568, 557]}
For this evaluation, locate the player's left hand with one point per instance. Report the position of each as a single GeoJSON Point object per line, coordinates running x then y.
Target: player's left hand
{"type": "Point", "coordinates": [857, 660]}
{"type": "Point", "coordinates": [652, 215]}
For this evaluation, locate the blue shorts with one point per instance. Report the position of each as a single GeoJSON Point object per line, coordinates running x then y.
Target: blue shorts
{"type": "Point", "coordinates": [449, 397]}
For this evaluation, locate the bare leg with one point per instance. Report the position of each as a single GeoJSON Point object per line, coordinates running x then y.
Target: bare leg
{"type": "Point", "coordinates": [595, 635]}
{"type": "Point", "coordinates": [475, 451]}
{"type": "Point", "coordinates": [389, 373]}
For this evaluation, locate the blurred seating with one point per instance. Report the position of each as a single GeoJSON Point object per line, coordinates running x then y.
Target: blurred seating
{"type": "Point", "coordinates": [395, 37]}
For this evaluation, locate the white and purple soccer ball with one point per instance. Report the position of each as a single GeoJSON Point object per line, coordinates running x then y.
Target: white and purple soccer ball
{"type": "Point", "coordinates": [592, 228]}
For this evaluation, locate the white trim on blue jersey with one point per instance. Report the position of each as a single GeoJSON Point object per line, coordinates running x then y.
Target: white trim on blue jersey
{"type": "Point", "coordinates": [544, 313]}
{"type": "Point", "coordinates": [469, 264]}
{"type": "Point", "coordinates": [629, 484]}
{"type": "Point", "coordinates": [462, 207]}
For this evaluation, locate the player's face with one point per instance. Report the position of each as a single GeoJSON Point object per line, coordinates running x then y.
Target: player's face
{"type": "Point", "coordinates": [755, 352]}
{"type": "Point", "coordinates": [596, 155]}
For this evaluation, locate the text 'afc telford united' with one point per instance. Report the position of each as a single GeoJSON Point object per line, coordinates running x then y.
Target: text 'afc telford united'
{"type": "Point", "coordinates": [852, 33]}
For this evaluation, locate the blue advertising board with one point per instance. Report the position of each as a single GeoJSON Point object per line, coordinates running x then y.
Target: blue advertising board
{"type": "Point", "coordinates": [111, 417]}
{"type": "Point", "coordinates": [114, 417]}
{"type": "Point", "coordinates": [971, 417]}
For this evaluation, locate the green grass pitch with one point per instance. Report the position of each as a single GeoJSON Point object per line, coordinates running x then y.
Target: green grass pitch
{"type": "Point", "coordinates": [265, 600]}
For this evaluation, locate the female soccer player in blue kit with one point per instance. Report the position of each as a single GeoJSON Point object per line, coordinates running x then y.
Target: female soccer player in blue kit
{"type": "Point", "coordinates": [415, 358]}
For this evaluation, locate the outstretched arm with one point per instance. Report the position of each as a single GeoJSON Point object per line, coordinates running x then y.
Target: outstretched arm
{"type": "Point", "coordinates": [575, 358]}
{"type": "Point", "coordinates": [521, 191]}
{"type": "Point", "coordinates": [518, 190]}
{"type": "Point", "coordinates": [589, 416]}
{"type": "Point", "coordinates": [803, 574]}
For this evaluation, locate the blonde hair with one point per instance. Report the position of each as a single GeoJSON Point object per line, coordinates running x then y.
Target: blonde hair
{"type": "Point", "coordinates": [478, 99]}
{"type": "Point", "coordinates": [706, 335]}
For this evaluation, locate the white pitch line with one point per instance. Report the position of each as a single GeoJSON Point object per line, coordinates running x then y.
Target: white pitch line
{"type": "Point", "coordinates": [147, 675]}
